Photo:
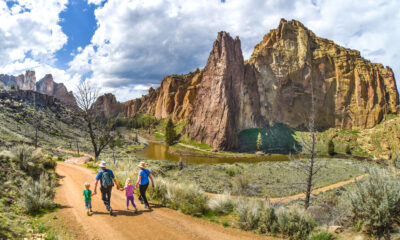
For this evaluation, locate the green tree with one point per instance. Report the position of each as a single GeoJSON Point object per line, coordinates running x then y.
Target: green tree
{"type": "Point", "coordinates": [331, 148]}
{"type": "Point", "coordinates": [259, 142]}
{"type": "Point", "coordinates": [12, 86]}
{"type": "Point", "coordinates": [170, 133]}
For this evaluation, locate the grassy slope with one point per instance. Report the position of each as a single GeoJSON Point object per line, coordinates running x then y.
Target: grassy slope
{"type": "Point", "coordinates": [57, 128]}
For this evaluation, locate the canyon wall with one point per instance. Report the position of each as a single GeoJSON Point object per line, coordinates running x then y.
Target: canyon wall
{"type": "Point", "coordinates": [287, 68]}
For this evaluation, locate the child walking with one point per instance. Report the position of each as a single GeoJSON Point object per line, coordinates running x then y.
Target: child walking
{"type": "Point", "coordinates": [129, 193]}
{"type": "Point", "coordinates": [88, 198]}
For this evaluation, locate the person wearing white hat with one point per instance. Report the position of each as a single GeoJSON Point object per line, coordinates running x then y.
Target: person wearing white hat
{"type": "Point", "coordinates": [107, 180]}
{"type": "Point", "coordinates": [143, 182]}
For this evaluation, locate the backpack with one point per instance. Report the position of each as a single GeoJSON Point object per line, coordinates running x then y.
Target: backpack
{"type": "Point", "coordinates": [106, 180]}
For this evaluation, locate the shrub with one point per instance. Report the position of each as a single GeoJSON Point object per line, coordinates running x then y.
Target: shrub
{"type": "Point", "coordinates": [249, 213]}
{"type": "Point", "coordinates": [231, 171]}
{"type": "Point", "coordinates": [222, 204]}
{"type": "Point", "coordinates": [348, 149]}
{"type": "Point", "coordinates": [268, 220]}
{"type": "Point", "coordinates": [331, 148]}
{"type": "Point", "coordinates": [295, 223]}
{"type": "Point", "coordinates": [241, 185]}
{"type": "Point", "coordinates": [159, 192]}
{"type": "Point", "coordinates": [28, 159]}
{"type": "Point", "coordinates": [37, 195]}
{"type": "Point", "coordinates": [188, 198]}
{"type": "Point", "coordinates": [376, 201]}
{"type": "Point", "coordinates": [49, 163]}
{"type": "Point", "coordinates": [321, 236]}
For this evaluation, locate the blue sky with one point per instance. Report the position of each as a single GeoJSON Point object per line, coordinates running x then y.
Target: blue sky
{"type": "Point", "coordinates": [79, 24]}
{"type": "Point", "coordinates": [126, 46]}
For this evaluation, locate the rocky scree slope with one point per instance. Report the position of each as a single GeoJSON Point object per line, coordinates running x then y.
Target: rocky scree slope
{"type": "Point", "coordinates": [274, 85]}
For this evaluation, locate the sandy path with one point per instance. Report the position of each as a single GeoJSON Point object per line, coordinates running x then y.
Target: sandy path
{"type": "Point", "coordinates": [301, 195]}
{"type": "Point", "coordinates": [73, 152]}
{"type": "Point", "coordinates": [161, 223]}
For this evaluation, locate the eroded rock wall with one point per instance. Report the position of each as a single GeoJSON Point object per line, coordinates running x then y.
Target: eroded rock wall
{"type": "Point", "coordinates": [287, 68]}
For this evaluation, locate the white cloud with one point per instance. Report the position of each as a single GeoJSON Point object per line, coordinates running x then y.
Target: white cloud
{"type": "Point", "coordinates": [139, 42]}
{"type": "Point", "coordinates": [30, 27]}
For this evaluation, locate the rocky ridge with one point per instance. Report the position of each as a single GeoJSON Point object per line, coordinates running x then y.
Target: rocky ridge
{"type": "Point", "coordinates": [275, 85]}
{"type": "Point", "coordinates": [107, 106]}
{"type": "Point", "coordinates": [45, 85]}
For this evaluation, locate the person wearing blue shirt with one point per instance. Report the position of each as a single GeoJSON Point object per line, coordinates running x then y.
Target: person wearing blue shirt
{"type": "Point", "coordinates": [107, 181]}
{"type": "Point", "coordinates": [143, 182]}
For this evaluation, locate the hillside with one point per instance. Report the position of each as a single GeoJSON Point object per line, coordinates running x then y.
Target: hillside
{"type": "Point", "coordinates": [22, 112]}
{"type": "Point", "coordinates": [274, 86]}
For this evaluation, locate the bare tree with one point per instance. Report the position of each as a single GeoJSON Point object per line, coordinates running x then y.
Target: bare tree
{"type": "Point", "coordinates": [100, 132]}
{"type": "Point", "coordinates": [308, 167]}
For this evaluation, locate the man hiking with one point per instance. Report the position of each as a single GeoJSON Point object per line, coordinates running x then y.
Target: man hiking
{"type": "Point", "coordinates": [107, 180]}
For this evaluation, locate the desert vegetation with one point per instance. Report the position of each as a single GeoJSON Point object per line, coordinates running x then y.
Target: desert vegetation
{"type": "Point", "coordinates": [27, 189]}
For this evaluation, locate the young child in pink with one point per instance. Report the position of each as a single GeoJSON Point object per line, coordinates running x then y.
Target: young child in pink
{"type": "Point", "coordinates": [129, 193]}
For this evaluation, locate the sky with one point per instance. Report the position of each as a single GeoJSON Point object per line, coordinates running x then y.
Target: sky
{"type": "Point", "coordinates": [126, 46]}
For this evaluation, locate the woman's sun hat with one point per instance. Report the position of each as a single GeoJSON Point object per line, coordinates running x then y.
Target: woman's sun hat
{"type": "Point", "coordinates": [103, 164]}
{"type": "Point", "coordinates": [142, 165]}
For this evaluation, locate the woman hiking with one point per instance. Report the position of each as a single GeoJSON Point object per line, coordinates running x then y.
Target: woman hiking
{"type": "Point", "coordinates": [143, 182]}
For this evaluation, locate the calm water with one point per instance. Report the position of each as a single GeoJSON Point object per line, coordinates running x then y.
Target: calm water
{"type": "Point", "coordinates": [159, 151]}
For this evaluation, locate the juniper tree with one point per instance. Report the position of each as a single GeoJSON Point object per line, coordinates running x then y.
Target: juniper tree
{"type": "Point", "coordinates": [170, 133]}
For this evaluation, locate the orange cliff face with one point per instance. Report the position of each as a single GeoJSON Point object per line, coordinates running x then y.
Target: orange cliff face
{"type": "Point", "coordinates": [175, 97]}
{"type": "Point", "coordinates": [274, 85]}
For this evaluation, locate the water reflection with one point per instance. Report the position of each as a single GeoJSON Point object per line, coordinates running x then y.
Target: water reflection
{"type": "Point", "coordinates": [159, 151]}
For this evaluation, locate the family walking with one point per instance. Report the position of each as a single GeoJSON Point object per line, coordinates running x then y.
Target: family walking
{"type": "Point", "coordinates": [107, 181]}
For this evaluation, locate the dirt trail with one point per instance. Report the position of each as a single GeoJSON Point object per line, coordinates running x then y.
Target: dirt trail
{"type": "Point", "coordinates": [73, 152]}
{"type": "Point", "coordinates": [300, 195]}
{"type": "Point", "coordinates": [161, 223]}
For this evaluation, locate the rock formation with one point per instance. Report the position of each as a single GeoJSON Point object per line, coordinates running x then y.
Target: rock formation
{"type": "Point", "coordinates": [174, 97]}
{"type": "Point", "coordinates": [25, 81]}
{"type": "Point", "coordinates": [107, 106]}
{"type": "Point", "coordinates": [46, 86]}
{"type": "Point", "coordinates": [275, 85]}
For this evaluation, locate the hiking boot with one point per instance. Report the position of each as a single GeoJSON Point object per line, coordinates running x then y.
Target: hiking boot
{"type": "Point", "coordinates": [111, 211]}
{"type": "Point", "coordinates": [88, 212]}
{"type": "Point", "coordinates": [147, 206]}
